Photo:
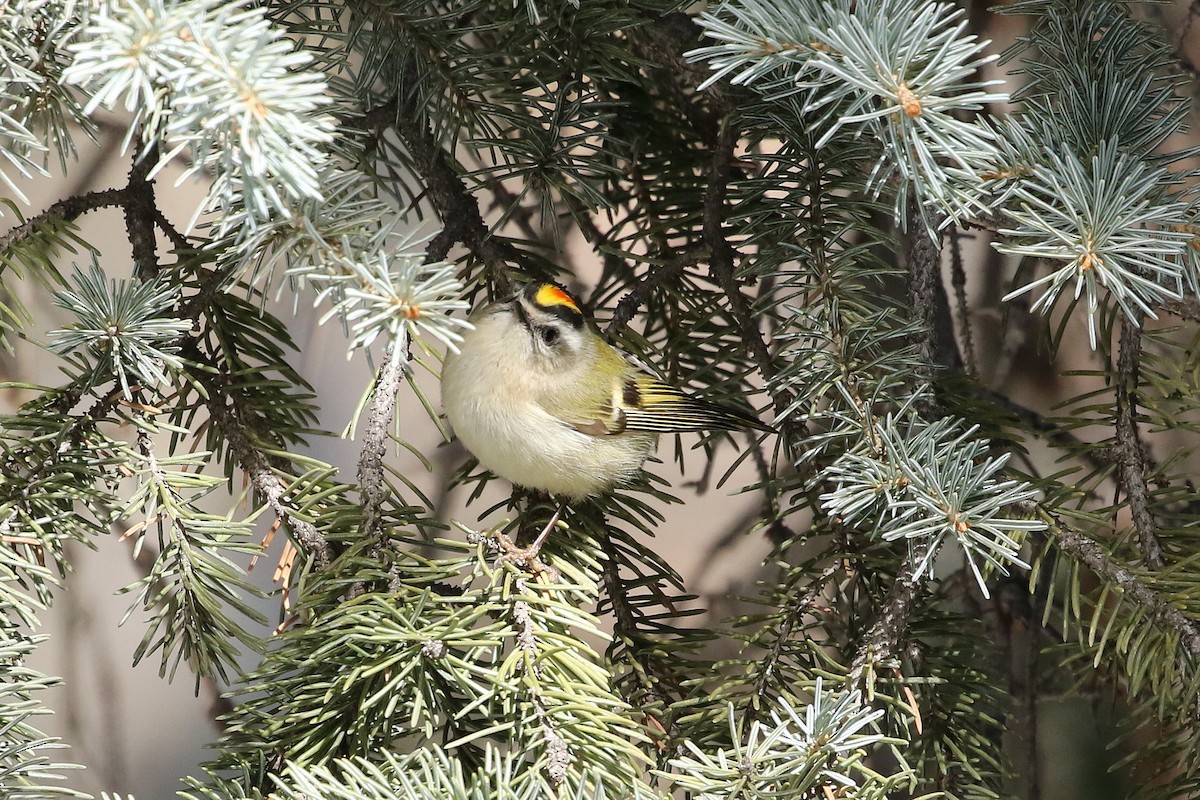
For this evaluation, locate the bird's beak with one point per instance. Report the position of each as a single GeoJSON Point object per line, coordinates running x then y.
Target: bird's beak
{"type": "Point", "coordinates": [519, 310]}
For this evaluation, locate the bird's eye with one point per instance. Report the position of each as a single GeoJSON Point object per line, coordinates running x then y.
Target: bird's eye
{"type": "Point", "coordinates": [549, 335]}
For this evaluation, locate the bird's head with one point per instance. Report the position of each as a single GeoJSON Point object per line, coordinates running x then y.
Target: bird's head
{"type": "Point", "coordinates": [553, 321]}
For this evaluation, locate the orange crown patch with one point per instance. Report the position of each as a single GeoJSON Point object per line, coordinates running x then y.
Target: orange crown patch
{"type": "Point", "coordinates": [548, 295]}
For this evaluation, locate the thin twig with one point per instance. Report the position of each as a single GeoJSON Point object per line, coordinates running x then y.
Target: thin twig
{"type": "Point", "coordinates": [882, 640]}
{"type": "Point", "coordinates": [1087, 551]}
{"type": "Point", "coordinates": [1054, 433]}
{"type": "Point", "coordinates": [625, 630]}
{"type": "Point", "coordinates": [143, 555]}
{"type": "Point", "coordinates": [454, 203]}
{"type": "Point", "coordinates": [1129, 451]}
{"type": "Point", "coordinates": [178, 239]}
{"type": "Point", "coordinates": [557, 752]}
{"type": "Point", "coordinates": [226, 416]}
{"type": "Point", "coordinates": [801, 606]}
{"type": "Point", "coordinates": [1185, 308]}
{"type": "Point", "coordinates": [66, 210]}
{"type": "Point", "coordinates": [380, 413]}
{"type": "Point", "coordinates": [635, 298]}
{"type": "Point", "coordinates": [140, 206]}
{"type": "Point", "coordinates": [723, 269]}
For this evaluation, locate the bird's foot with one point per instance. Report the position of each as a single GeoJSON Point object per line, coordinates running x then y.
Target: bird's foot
{"type": "Point", "coordinates": [526, 557]}
{"type": "Point", "coordinates": [517, 554]}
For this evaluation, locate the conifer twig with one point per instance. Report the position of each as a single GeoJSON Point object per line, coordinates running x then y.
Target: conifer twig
{"type": "Point", "coordinates": [927, 297]}
{"type": "Point", "coordinates": [1185, 308]}
{"type": "Point", "coordinates": [380, 413]}
{"type": "Point", "coordinates": [635, 298]}
{"type": "Point", "coordinates": [1130, 452]}
{"type": "Point", "coordinates": [558, 754]}
{"type": "Point", "coordinates": [140, 206]}
{"type": "Point", "coordinates": [724, 272]}
{"type": "Point", "coordinates": [178, 239]}
{"type": "Point", "coordinates": [882, 640]}
{"type": "Point", "coordinates": [796, 611]}
{"type": "Point", "coordinates": [1088, 552]}
{"type": "Point", "coordinates": [1056, 434]}
{"type": "Point", "coordinates": [66, 210]}
{"type": "Point", "coordinates": [223, 410]}
{"type": "Point", "coordinates": [458, 209]}
{"type": "Point", "coordinates": [652, 683]}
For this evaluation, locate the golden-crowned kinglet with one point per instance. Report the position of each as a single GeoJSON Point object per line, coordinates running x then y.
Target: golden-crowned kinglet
{"type": "Point", "coordinates": [542, 400]}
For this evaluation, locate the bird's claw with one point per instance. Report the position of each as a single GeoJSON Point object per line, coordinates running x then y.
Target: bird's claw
{"type": "Point", "coordinates": [526, 557]}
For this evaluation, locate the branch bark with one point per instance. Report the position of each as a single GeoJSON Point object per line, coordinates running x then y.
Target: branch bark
{"type": "Point", "coordinates": [455, 205]}
{"type": "Point", "coordinates": [66, 210]}
{"type": "Point", "coordinates": [1087, 551]}
{"type": "Point", "coordinates": [1130, 452]}
{"type": "Point", "coordinates": [380, 413]}
{"type": "Point", "coordinates": [140, 210]}
{"type": "Point", "coordinates": [262, 476]}
{"type": "Point", "coordinates": [883, 639]}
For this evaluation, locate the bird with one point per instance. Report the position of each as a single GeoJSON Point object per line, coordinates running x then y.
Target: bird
{"type": "Point", "coordinates": [541, 399]}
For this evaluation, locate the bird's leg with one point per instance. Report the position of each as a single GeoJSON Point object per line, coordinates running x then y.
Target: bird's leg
{"type": "Point", "coordinates": [528, 555]}
{"type": "Point", "coordinates": [554, 518]}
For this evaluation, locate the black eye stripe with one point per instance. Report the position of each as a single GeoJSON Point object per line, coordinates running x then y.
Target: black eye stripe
{"type": "Point", "coordinates": [564, 313]}
{"type": "Point", "coordinates": [550, 335]}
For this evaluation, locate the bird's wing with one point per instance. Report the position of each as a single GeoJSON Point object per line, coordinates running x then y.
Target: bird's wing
{"type": "Point", "coordinates": [642, 403]}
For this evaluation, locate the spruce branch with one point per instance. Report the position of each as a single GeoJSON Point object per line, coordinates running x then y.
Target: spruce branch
{"type": "Point", "coordinates": [817, 750]}
{"type": "Point", "coordinates": [627, 307]}
{"type": "Point", "coordinates": [66, 210]}
{"type": "Point", "coordinates": [911, 87]}
{"type": "Point", "coordinates": [455, 205]}
{"type": "Point", "coordinates": [797, 609]}
{"type": "Point", "coordinates": [1055, 433]}
{"type": "Point", "coordinates": [1185, 308]}
{"type": "Point", "coordinates": [26, 768]}
{"type": "Point", "coordinates": [216, 80]}
{"type": "Point", "coordinates": [180, 241]}
{"type": "Point", "coordinates": [558, 755]}
{"type": "Point", "coordinates": [1092, 555]}
{"type": "Point", "coordinates": [399, 296]}
{"type": "Point", "coordinates": [380, 414]}
{"type": "Point", "coordinates": [934, 334]}
{"type": "Point", "coordinates": [654, 674]}
{"type": "Point", "coordinates": [431, 774]}
{"type": "Point", "coordinates": [394, 294]}
{"type": "Point", "coordinates": [227, 416]}
{"type": "Point", "coordinates": [927, 297]}
{"type": "Point", "coordinates": [724, 272]}
{"type": "Point", "coordinates": [1129, 452]}
{"type": "Point", "coordinates": [43, 500]}
{"type": "Point", "coordinates": [193, 580]}
{"type": "Point", "coordinates": [881, 642]}
{"type": "Point", "coordinates": [1106, 218]}
{"type": "Point", "coordinates": [121, 326]}
{"type": "Point", "coordinates": [140, 214]}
